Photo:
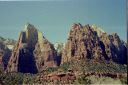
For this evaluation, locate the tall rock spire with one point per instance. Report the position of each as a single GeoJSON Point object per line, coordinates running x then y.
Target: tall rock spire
{"type": "Point", "coordinates": [32, 53]}
{"type": "Point", "coordinates": [22, 59]}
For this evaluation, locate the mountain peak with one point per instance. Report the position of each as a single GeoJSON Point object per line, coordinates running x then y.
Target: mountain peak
{"type": "Point", "coordinates": [77, 26]}
{"type": "Point", "coordinates": [28, 26]}
{"type": "Point", "coordinates": [31, 51]}
{"type": "Point", "coordinates": [91, 42]}
{"type": "Point", "coordinates": [99, 30]}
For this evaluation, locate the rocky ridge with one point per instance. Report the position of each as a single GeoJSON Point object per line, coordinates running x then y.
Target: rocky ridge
{"type": "Point", "coordinates": [33, 53]}
{"type": "Point", "coordinates": [89, 42]}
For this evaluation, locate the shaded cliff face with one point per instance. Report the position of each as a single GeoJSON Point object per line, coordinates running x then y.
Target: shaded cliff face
{"type": "Point", "coordinates": [1, 55]}
{"type": "Point", "coordinates": [89, 42]}
{"type": "Point", "coordinates": [6, 46]}
{"type": "Point", "coordinates": [115, 48]}
{"type": "Point", "coordinates": [4, 55]}
{"type": "Point", "coordinates": [32, 53]}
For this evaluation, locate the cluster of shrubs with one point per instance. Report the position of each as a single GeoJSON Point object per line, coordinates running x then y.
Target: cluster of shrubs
{"type": "Point", "coordinates": [16, 78]}
{"type": "Point", "coordinates": [100, 80]}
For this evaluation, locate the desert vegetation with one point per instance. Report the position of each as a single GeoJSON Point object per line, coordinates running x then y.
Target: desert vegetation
{"type": "Point", "coordinates": [71, 72]}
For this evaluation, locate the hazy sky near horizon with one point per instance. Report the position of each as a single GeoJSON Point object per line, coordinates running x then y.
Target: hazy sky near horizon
{"type": "Point", "coordinates": [54, 18]}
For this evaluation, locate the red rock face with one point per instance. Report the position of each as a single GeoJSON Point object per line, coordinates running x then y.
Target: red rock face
{"type": "Point", "coordinates": [45, 55]}
{"type": "Point", "coordinates": [22, 59]}
{"type": "Point", "coordinates": [32, 53]}
{"type": "Point", "coordinates": [115, 48]}
{"type": "Point", "coordinates": [85, 43]}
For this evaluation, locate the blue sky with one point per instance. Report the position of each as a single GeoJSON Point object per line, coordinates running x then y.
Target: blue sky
{"type": "Point", "coordinates": [55, 17]}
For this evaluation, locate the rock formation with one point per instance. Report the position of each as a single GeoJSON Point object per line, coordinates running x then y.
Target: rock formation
{"type": "Point", "coordinates": [90, 42]}
{"type": "Point", "coordinates": [8, 42]}
{"type": "Point", "coordinates": [22, 59]}
{"type": "Point", "coordinates": [33, 52]}
{"type": "Point", "coordinates": [45, 54]}
{"type": "Point", "coordinates": [4, 55]}
{"type": "Point", "coordinates": [114, 48]}
{"type": "Point", "coordinates": [1, 56]}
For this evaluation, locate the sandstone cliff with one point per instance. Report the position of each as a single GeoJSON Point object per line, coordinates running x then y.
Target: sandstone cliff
{"type": "Point", "coordinates": [32, 53]}
{"type": "Point", "coordinates": [91, 42]}
{"type": "Point", "coordinates": [22, 59]}
{"type": "Point", "coordinates": [45, 54]}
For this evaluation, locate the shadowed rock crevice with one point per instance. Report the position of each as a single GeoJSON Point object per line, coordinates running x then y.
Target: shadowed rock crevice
{"type": "Point", "coordinates": [103, 50]}
{"type": "Point", "coordinates": [58, 59]}
{"type": "Point", "coordinates": [4, 55]}
{"type": "Point", "coordinates": [27, 62]}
